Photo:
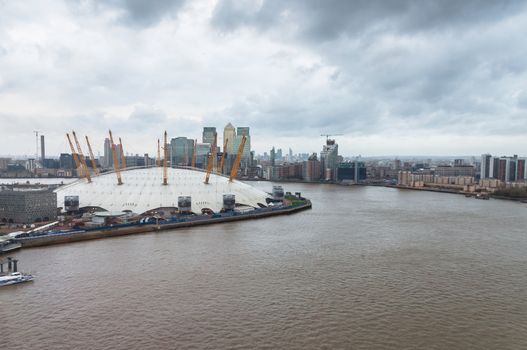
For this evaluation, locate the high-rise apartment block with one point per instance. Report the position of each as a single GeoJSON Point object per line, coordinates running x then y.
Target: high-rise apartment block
{"type": "Point", "coordinates": [330, 159]}
{"type": "Point", "coordinates": [506, 169]}
{"type": "Point", "coordinates": [485, 166]}
{"type": "Point", "coordinates": [312, 168]}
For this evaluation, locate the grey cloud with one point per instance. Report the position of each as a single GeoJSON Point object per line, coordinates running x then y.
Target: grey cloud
{"type": "Point", "coordinates": [290, 113]}
{"type": "Point", "coordinates": [135, 13]}
{"type": "Point", "coordinates": [327, 20]}
{"type": "Point", "coordinates": [356, 67]}
{"type": "Point", "coordinates": [145, 117]}
{"type": "Point", "coordinates": [431, 64]}
{"type": "Point", "coordinates": [146, 13]}
{"type": "Point", "coordinates": [522, 100]}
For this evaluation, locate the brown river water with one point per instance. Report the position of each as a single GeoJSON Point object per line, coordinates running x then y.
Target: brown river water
{"type": "Point", "coordinates": [366, 268]}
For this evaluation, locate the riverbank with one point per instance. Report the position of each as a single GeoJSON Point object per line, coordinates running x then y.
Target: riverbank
{"type": "Point", "coordinates": [129, 229]}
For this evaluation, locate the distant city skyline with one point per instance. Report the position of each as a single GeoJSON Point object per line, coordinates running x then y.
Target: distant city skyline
{"type": "Point", "coordinates": [56, 146]}
{"type": "Point", "coordinates": [415, 77]}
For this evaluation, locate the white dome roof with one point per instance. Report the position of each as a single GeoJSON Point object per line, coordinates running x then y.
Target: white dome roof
{"type": "Point", "coordinates": [143, 190]}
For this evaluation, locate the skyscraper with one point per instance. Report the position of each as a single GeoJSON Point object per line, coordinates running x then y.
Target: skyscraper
{"type": "Point", "coordinates": [506, 169]}
{"type": "Point", "coordinates": [202, 154]}
{"type": "Point", "coordinates": [486, 166]}
{"type": "Point", "coordinates": [181, 153]}
{"type": "Point", "coordinates": [108, 160]}
{"type": "Point", "coordinates": [329, 158]}
{"type": "Point", "coordinates": [240, 132]}
{"type": "Point", "coordinates": [229, 135]}
{"type": "Point", "coordinates": [209, 133]}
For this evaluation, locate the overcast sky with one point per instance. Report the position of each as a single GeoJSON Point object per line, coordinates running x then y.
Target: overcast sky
{"type": "Point", "coordinates": [395, 77]}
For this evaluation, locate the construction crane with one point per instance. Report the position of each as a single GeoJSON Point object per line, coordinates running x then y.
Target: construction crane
{"type": "Point", "coordinates": [123, 158]}
{"type": "Point", "coordinates": [194, 153]}
{"type": "Point", "coordinates": [236, 165]}
{"type": "Point", "coordinates": [165, 170]}
{"type": "Point", "coordinates": [328, 135]}
{"type": "Point", "coordinates": [211, 159]}
{"type": "Point", "coordinates": [115, 161]}
{"type": "Point", "coordinates": [222, 161]}
{"type": "Point", "coordinates": [93, 162]}
{"type": "Point", "coordinates": [82, 158]}
{"type": "Point", "coordinates": [75, 157]}
{"type": "Point", "coordinates": [158, 160]}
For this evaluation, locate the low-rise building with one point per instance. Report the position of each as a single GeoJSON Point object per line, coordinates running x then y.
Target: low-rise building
{"type": "Point", "coordinates": [27, 205]}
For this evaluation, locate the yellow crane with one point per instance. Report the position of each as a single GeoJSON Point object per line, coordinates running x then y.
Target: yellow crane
{"type": "Point", "coordinates": [165, 170]}
{"type": "Point", "coordinates": [115, 161]}
{"type": "Point", "coordinates": [123, 158]}
{"type": "Point", "coordinates": [93, 162]}
{"type": "Point", "coordinates": [75, 157]}
{"type": "Point", "coordinates": [194, 153]}
{"type": "Point", "coordinates": [236, 164]}
{"type": "Point", "coordinates": [81, 156]}
{"type": "Point", "coordinates": [222, 161]}
{"type": "Point", "coordinates": [211, 160]}
{"type": "Point", "coordinates": [158, 160]}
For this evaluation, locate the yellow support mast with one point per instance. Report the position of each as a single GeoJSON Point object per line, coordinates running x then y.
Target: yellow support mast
{"type": "Point", "coordinates": [123, 158]}
{"type": "Point", "coordinates": [165, 170]}
{"type": "Point", "coordinates": [75, 157]}
{"type": "Point", "coordinates": [82, 158]}
{"type": "Point", "coordinates": [236, 164]}
{"type": "Point", "coordinates": [158, 160]}
{"type": "Point", "coordinates": [93, 162]}
{"type": "Point", "coordinates": [115, 161]}
{"type": "Point", "coordinates": [211, 160]}
{"type": "Point", "coordinates": [222, 161]}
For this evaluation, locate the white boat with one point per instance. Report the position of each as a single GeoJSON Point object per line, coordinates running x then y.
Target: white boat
{"type": "Point", "coordinates": [14, 278]}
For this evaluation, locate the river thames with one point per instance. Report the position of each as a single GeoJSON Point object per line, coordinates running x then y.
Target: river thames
{"type": "Point", "coordinates": [366, 268]}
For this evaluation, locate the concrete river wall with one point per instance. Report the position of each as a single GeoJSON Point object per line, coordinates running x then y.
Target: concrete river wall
{"type": "Point", "coordinates": [81, 235]}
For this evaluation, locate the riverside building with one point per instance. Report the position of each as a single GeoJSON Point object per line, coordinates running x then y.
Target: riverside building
{"type": "Point", "coordinates": [27, 205]}
{"type": "Point", "coordinates": [506, 169]}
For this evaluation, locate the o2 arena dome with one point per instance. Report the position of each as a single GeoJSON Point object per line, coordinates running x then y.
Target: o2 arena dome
{"type": "Point", "coordinates": [143, 190]}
